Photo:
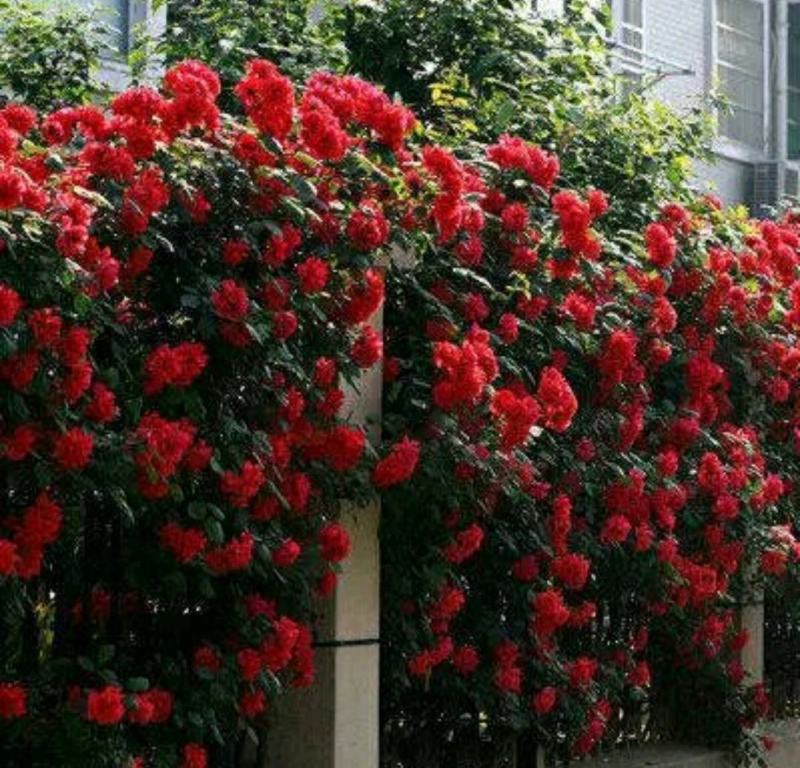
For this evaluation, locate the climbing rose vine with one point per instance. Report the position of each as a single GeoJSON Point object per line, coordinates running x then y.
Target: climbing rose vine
{"type": "Point", "coordinates": [184, 302]}
{"type": "Point", "coordinates": [590, 434]}
{"type": "Point", "coordinates": [609, 439]}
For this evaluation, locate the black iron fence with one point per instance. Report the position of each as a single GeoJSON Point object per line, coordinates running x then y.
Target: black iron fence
{"type": "Point", "coordinates": [782, 652]}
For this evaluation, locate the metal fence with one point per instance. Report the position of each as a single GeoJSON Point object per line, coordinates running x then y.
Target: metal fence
{"type": "Point", "coordinates": [782, 652]}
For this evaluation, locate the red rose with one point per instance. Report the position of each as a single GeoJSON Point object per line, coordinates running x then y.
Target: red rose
{"type": "Point", "coordinates": [334, 543]}
{"type": "Point", "coordinates": [398, 466]}
{"type": "Point", "coordinates": [10, 305]}
{"type": "Point", "coordinates": [234, 252]}
{"type": "Point", "coordinates": [286, 554]}
{"type": "Point", "coordinates": [581, 672]}
{"type": "Point", "coordinates": [661, 246]}
{"type": "Point", "coordinates": [106, 706]}
{"type": "Point", "coordinates": [20, 443]}
{"type": "Point", "coordinates": [549, 613]}
{"type": "Point", "coordinates": [514, 217]}
{"type": "Point", "coordinates": [544, 700]}
{"type": "Point", "coordinates": [284, 324]}
{"type": "Point", "coordinates": [268, 100]}
{"type": "Point", "coordinates": [13, 701]}
{"type": "Point", "coordinates": [571, 570]}
{"type": "Point", "coordinates": [236, 555]}
{"type": "Point", "coordinates": [230, 301]}
{"type": "Point", "coordinates": [313, 275]}
{"type": "Point", "coordinates": [73, 449]}
{"type": "Point", "coordinates": [367, 348]}
{"type": "Point", "coordinates": [466, 544]}
{"type": "Point", "coordinates": [526, 569]}
{"type": "Point", "coordinates": [640, 675]}
{"type": "Point", "coordinates": [11, 189]}
{"type": "Point", "coordinates": [103, 406]}
{"type": "Point", "coordinates": [206, 660]}
{"type": "Point", "coordinates": [252, 703]}
{"type": "Point", "coordinates": [45, 325]}
{"type": "Point", "coordinates": [249, 663]}
{"type": "Point", "coordinates": [557, 399]}
{"type": "Point", "coordinates": [8, 557]}
{"type": "Point", "coordinates": [465, 660]}
{"type": "Point", "coordinates": [194, 756]}
{"type": "Point", "coordinates": [183, 543]}
{"type": "Point", "coordinates": [368, 228]}
{"type": "Point", "coordinates": [344, 447]}
{"type": "Point", "coordinates": [615, 529]}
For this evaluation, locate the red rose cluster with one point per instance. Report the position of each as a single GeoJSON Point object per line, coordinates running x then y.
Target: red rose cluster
{"type": "Point", "coordinates": [590, 438]}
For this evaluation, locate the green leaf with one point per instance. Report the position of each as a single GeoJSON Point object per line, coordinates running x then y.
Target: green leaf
{"type": "Point", "coordinates": [137, 684]}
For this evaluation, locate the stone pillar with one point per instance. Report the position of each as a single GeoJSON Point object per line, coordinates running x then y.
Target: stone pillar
{"type": "Point", "coordinates": [335, 723]}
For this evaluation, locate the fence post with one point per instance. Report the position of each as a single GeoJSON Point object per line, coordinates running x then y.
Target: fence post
{"type": "Point", "coordinates": [335, 724]}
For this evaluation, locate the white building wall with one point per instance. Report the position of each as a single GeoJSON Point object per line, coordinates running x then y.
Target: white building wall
{"type": "Point", "coordinates": [677, 31]}
{"type": "Point", "coordinates": [679, 35]}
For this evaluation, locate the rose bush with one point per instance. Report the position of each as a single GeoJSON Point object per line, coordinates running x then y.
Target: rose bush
{"type": "Point", "coordinates": [599, 424]}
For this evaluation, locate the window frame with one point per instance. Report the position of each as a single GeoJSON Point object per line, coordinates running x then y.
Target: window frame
{"type": "Point", "coordinates": [730, 146]}
{"type": "Point", "coordinates": [138, 12]}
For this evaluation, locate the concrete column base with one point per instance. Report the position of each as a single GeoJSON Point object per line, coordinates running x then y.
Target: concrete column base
{"type": "Point", "coordinates": [335, 723]}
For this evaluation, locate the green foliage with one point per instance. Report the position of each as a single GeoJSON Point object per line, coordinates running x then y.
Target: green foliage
{"type": "Point", "coordinates": [49, 53]}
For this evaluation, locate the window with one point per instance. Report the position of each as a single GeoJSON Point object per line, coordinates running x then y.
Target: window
{"type": "Point", "coordinates": [793, 126]}
{"type": "Point", "coordinates": [740, 33]}
{"type": "Point", "coordinates": [629, 23]}
{"type": "Point", "coordinates": [631, 31]}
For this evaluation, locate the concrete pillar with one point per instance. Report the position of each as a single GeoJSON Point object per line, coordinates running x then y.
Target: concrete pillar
{"type": "Point", "coordinates": [751, 618]}
{"type": "Point", "coordinates": [335, 723]}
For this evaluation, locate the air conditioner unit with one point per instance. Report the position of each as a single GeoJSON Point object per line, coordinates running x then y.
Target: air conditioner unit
{"type": "Point", "coordinates": [766, 194]}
